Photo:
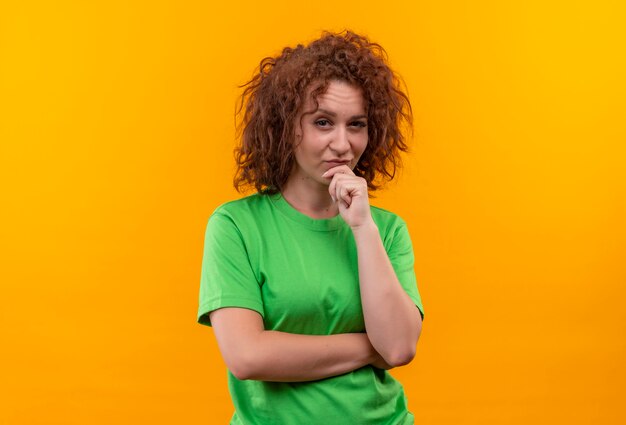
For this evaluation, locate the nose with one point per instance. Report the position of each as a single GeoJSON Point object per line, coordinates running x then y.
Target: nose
{"type": "Point", "coordinates": [340, 142]}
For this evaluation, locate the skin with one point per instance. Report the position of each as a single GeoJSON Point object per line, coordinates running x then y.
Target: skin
{"type": "Point", "coordinates": [336, 132]}
{"type": "Point", "coordinates": [330, 141]}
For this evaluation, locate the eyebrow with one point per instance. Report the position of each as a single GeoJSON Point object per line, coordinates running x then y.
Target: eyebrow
{"type": "Point", "coordinates": [333, 114]}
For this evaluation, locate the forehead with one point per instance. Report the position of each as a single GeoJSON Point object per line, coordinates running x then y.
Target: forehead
{"type": "Point", "coordinates": [338, 95]}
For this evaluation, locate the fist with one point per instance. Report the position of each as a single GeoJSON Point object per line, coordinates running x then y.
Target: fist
{"type": "Point", "coordinates": [350, 193]}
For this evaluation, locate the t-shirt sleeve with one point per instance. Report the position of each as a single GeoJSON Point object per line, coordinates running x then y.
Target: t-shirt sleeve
{"type": "Point", "coordinates": [401, 256]}
{"type": "Point", "coordinates": [227, 278]}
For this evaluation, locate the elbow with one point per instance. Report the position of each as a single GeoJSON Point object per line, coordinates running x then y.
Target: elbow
{"type": "Point", "coordinates": [240, 373]}
{"type": "Point", "coordinates": [403, 354]}
{"type": "Point", "coordinates": [242, 367]}
{"type": "Point", "coordinates": [401, 357]}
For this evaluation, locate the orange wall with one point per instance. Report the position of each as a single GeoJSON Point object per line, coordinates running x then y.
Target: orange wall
{"type": "Point", "coordinates": [116, 144]}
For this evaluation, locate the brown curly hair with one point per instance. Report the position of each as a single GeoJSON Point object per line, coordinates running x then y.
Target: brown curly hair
{"type": "Point", "coordinates": [273, 98]}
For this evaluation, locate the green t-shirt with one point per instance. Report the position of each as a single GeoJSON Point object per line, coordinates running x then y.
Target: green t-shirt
{"type": "Point", "coordinates": [301, 275]}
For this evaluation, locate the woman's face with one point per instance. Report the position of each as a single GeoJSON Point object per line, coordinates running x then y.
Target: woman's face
{"type": "Point", "coordinates": [333, 135]}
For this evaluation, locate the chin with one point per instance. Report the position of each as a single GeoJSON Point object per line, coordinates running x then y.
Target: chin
{"type": "Point", "coordinates": [324, 182]}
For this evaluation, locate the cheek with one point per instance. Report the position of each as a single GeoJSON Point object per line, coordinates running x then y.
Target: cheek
{"type": "Point", "coordinates": [305, 153]}
{"type": "Point", "coordinates": [362, 145]}
{"type": "Point", "coordinates": [314, 146]}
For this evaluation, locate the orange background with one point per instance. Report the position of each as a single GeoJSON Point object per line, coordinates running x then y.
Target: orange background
{"type": "Point", "coordinates": [117, 135]}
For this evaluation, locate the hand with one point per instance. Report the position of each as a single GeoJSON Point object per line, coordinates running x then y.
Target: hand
{"type": "Point", "coordinates": [350, 193]}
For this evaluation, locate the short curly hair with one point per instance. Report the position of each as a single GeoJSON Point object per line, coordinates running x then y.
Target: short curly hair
{"type": "Point", "coordinates": [273, 98]}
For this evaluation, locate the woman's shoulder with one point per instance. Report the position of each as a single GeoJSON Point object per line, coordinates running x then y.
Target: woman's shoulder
{"type": "Point", "coordinates": [389, 224]}
{"type": "Point", "coordinates": [251, 205]}
{"type": "Point", "coordinates": [384, 216]}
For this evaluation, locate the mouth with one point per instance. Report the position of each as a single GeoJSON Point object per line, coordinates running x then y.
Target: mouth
{"type": "Point", "coordinates": [337, 163]}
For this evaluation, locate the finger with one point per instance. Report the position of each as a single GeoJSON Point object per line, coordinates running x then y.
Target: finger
{"type": "Point", "coordinates": [347, 193]}
{"type": "Point", "coordinates": [344, 191]}
{"type": "Point", "coordinates": [339, 181]}
{"type": "Point", "coordinates": [332, 187]}
{"type": "Point", "coordinates": [343, 169]}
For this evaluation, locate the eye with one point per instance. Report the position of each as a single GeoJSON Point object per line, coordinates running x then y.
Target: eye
{"type": "Point", "coordinates": [359, 124]}
{"type": "Point", "coordinates": [322, 122]}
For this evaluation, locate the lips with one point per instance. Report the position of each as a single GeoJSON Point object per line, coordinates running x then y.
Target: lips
{"type": "Point", "coordinates": [337, 163]}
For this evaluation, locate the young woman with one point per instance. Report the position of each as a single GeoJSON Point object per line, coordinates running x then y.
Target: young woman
{"type": "Point", "coordinates": [309, 289]}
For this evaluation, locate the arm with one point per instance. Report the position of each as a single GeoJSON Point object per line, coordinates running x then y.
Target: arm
{"type": "Point", "coordinates": [251, 352]}
{"type": "Point", "coordinates": [392, 320]}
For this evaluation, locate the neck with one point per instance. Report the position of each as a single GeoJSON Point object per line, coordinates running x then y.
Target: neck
{"type": "Point", "coordinates": [310, 198]}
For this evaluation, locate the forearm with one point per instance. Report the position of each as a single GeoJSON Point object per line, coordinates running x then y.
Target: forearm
{"type": "Point", "coordinates": [285, 357]}
{"type": "Point", "coordinates": [392, 320]}
{"type": "Point", "coordinates": [251, 352]}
